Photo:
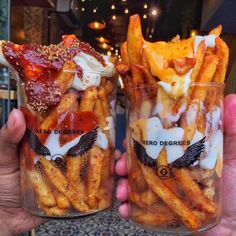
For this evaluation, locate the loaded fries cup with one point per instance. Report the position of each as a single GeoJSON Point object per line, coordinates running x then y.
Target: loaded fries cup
{"type": "Point", "coordinates": [67, 94]}
{"type": "Point", "coordinates": [174, 96]}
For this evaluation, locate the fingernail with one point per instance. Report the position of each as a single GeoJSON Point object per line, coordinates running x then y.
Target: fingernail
{"type": "Point", "coordinates": [11, 119]}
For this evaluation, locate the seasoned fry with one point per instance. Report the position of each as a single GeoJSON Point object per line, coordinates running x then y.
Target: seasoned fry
{"type": "Point", "coordinates": [192, 189]}
{"type": "Point", "coordinates": [62, 201]}
{"type": "Point", "coordinates": [64, 79]}
{"type": "Point", "coordinates": [103, 98]}
{"type": "Point", "coordinates": [94, 176]}
{"type": "Point", "coordinates": [67, 103]}
{"type": "Point", "coordinates": [158, 216]}
{"type": "Point", "coordinates": [222, 53]}
{"type": "Point", "coordinates": [135, 40]}
{"type": "Point", "coordinates": [53, 211]}
{"type": "Point", "coordinates": [216, 31]}
{"type": "Point", "coordinates": [88, 100]}
{"type": "Point", "coordinates": [124, 53]}
{"type": "Point", "coordinates": [178, 207]}
{"type": "Point", "coordinates": [199, 60]}
{"type": "Point", "coordinates": [41, 188]}
{"type": "Point", "coordinates": [74, 166]}
{"type": "Point", "coordinates": [60, 182]}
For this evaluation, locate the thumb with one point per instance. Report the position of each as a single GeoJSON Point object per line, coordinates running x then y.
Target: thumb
{"type": "Point", "coordinates": [10, 135]}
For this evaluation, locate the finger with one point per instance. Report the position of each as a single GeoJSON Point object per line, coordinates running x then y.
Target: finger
{"type": "Point", "coordinates": [10, 135]}
{"type": "Point", "coordinates": [230, 127]}
{"type": "Point", "coordinates": [121, 165]}
{"type": "Point", "coordinates": [117, 154]}
{"type": "Point", "coordinates": [122, 190]}
{"type": "Point", "coordinates": [230, 114]}
{"type": "Point", "coordinates": [124, 210]}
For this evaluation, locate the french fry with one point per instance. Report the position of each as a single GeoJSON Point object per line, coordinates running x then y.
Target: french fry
{"type": "Point", "coordinates": [222, 53]}
{"type": "Point", "coordinates": [216, 31]}
{"type": "Point", "coordinates": [192, 189]}
{"type": "Point", "coordinates": [64, 79]}
{"type": "Point", "coordinates": [170, 199]}
{"type": "Point", "coordinates": [41, 188]}
{"type": "Point", "coordinates": [103, 98]}
{"type": "Point", "coordinates": [94, 176]}
{"type": "Point", "coordinates": [149, 197]}
{"type": "Point", "coordinates": [62, 201]}
{"type": "Point", "coordinates": [159, 215]}
{"type": "Point", "coordinates": [53, 211]}
{"type": "Point", "coordinates": [199, 60]}
{"type": "Point", "coordinates": [124, 53]}
{"type": "Point", "coordinates": [74, 167]}
{"type": "Point", "coordinates": [88, 100]}
{"type": "Point", "coordinates": [135, 40]}
{"type": "Point", "coordinates": [66, 104]}
{"type": "Point", "coordinates": [60, 182]}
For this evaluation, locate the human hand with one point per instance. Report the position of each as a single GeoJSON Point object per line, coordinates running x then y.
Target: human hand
{"type": "Point", "coordinates": [14, 219]}
{"type": "Point", "coordinates": [227, 225]}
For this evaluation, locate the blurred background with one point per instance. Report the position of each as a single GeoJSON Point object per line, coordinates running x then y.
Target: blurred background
{"type": "Point", "coordinates": [103, 23]}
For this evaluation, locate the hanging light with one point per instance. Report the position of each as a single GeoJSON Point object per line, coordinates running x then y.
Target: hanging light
{"type": "Point", "coordinates": [109, 53]}
{"type": "Point", "coordinates": [82, 9]}
{"type": "Point", "coordinates": [145, 16]}
{"type": "Point", "coordinates": [145, 6]}
{"type": "Point", "coordinates": [193, 32]}
{"type": "Point", "coordinates": [102, 40]}
{"type": "Point", "coordinates": [126, 11]}
{"type": "Point", "coordinates": [114, 17]}
{"type": "Point", "coordinates": [113, 7]}
{"type": "Point", "coordinates": [104, 46]}
{"type": "Point", "coordinates": [95, 10]}
{"type": "Point", "coordinates": [97, 25]}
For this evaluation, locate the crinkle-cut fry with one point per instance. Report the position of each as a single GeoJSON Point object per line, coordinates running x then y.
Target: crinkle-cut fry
{"type": "Point", "coordinates": [152, 219]}
{"type": "Point", "coordinates": [199, 60]}
{"type": "Point", "coordinates": [41, 188]}
{"type": "Point", "coordinates": [124, 53]}
{"type": "Point", "coordinates": [64, 78]}
{"type": "Point", "coordinates": [94, 176]}
{"type": "Point", "coordinates": [135, 40]}
{"type": "Point", "coordinates": [53, 211]}
{"type": "Point", "coordinates": [88, 99]}
{"type": "Point", "coordinates": [216, 31]}
{"type": "Point", "coordinates": [222, 52]}
{"type": "Point", "coordinates": [74, 167]}
{"type": "Point", "coordinates": [170, 199]}
{"type": "Point", "coordinates": [66, 104]}
{"type": "Point", "coordinates": [193, 191]}
{"type": "Point", "coordinates": [61, 199]}
{"type": "Point", "coordinates": [60, 182]}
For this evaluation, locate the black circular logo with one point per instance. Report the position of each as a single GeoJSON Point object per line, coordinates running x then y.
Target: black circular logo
{"type": "Point", "coordinates": [164, 172]}
{"type": "Point", "coordinates": [58, 161]}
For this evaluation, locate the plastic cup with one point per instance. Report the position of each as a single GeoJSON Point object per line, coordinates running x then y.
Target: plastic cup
{"type": "Point", "coordinates": [66, 156]}
{"type": "Point", "coordinates": [175, 157]}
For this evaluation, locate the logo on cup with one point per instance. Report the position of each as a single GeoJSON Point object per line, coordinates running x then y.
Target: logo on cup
{"type": "Point", "coordinates": [58, 161]}
{"type": "Point", "coordinates": [164, 172]}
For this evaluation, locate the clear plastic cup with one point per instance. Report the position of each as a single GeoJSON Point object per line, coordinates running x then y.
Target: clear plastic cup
{"type": "Point", "coordinates": [66, 156]}
{"type": "Point", "coordinates": [175, 157]}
